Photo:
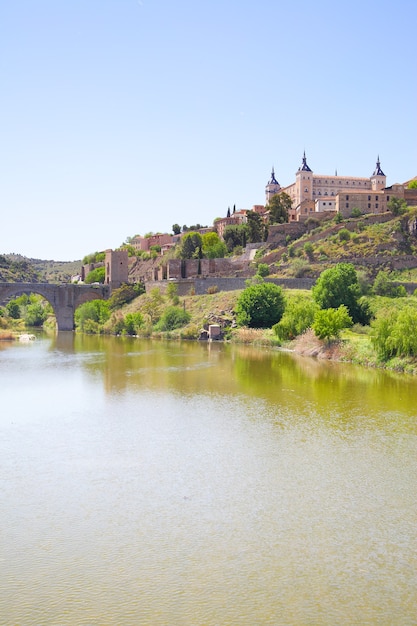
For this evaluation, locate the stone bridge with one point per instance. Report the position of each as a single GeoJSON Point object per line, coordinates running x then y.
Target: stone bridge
{"type": "Point", "coordinates": [64, 299]}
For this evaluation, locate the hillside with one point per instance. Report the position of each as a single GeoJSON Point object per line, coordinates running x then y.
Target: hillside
{"type": "Point", "coordinates": [17, 268]}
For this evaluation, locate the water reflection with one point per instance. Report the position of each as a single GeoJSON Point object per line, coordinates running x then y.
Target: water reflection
{"type": "Point", "coordinates": [183, 483]}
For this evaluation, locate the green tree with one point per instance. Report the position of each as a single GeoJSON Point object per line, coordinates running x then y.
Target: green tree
{"type": "Point", "coordinates": [173, 317]}
{"type": "Point", "coordinates": [124, 294]}
{"type": "Point", "coordinates": [176, 229]}
{"type": "Point", "coordinates": [91, 316]}
{"type": "Point", "coordinates": [132, 323]}
{"type": "Point", "coordinates": [191, 246]}
{"type": "Point", "coordinates": [329, 322]}
{"type": "Point", "coordinates": [339, 285]}
{"type": "Point", "coordinates": [397, 206]}
{"type": "Point", "coordinates": [279, 207]}
{"type": "Point", "coordinates": [235, 236]}
{"type": "Point", "coordinates": [213, 246]}
{"type": "Point", "coordinates": [298, 316]}
{"type": "Point", "coordinates": [13, 309]}
{"type": "Point", "coordinates": [153, 305]}
{"type": "Point", "coordinates": [260, 306]}
{"type": "Point", "coordinates": [412, 184]}
{"type": "Point", "coordinates": [36, 314]}
{"type": "Point", "coordinates": [257, 230]}
{"type": "Point", "coordinates": [394, 333]}
{"type": "Point", "coordinates": [384, 286]}
{"type": "Point", "coordinates": [96, 276]}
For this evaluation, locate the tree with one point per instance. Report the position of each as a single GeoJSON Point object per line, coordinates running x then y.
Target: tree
{"type": "Point", "coordinates": [393, 333]}
{"type": "Point", "coordinates": [36, 314]}
{"type": "Point", "coordinates": [235, 235]}
{"type": "Point", "coordinates": [397, 206]}
{"type": "Point", "coordinates": [412, 184]}
{"type": "Point", "coordinates": [173, 317]}
{"type": "Point", "coordinates": [298, 316]}
{"type": "Point", "coordinates": [90, 316]}
{"type": "Point", "coordinates": [329, 322]}
{"type": "Point", "coordinates": [262, 269]}
{"type": "Point", "coordinates": [132, 323]}
{"type": "Point", "coordinates": [176, 229]}
{"type": "Point", "coordinates": [96, 276]}
{"type": "Point", "coordinates": [213, 246]}
{"type": "Point", "coordinates": [13, 309]}
{"type": "Point", "coordinates": [384, 286]}
{"type": "Point", "coordinates": [339, 285]}
{"type": "Point", "coordinates": [260, 306]}
{"type": "Point", "coordinates": [257, 230]}
{"type": "Point", "coordinates": [191, 246]}
{"type": "Point", "coordinates": [279, 207]}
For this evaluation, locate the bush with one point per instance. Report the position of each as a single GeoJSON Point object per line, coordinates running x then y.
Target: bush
{"type": "Point", "coordinates": [124, 294]}
{"type": "Point", "coordinates": [344, 234]}
{"type": "Point", "coordinates": [263, 269]}
{"type": "Point", "coordinates": [298, 316]}
{"type": "Point", "coordinates": [173, 317]}
{"type": "Point", "coordinates": [384, 286]}
{"type": "Point", "coordinates": [394, 333]}
{"type": "Point", "coordinates": [260, 306]}
{"type": "Point", "coordinates": [212, 289]}
{"type": "Point", "coordinates": [329, 322]}
{"type": "Point", "coordinates": [132, 323]}
{"type": "Point", "coordinates": [309, 250]}
{"type": "Point", "coordinates": [90, 316]}
{"type": "Point", "coordinates": [96, 276]}
{"type": "Point", "coordinates": [356, 212]}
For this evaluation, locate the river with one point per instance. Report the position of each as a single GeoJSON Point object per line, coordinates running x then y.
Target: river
{"type": "Point", "coordinates": [152, 483]}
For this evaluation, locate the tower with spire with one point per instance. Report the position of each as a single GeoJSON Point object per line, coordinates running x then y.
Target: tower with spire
{"type": "Point", "coordinates": [378, 178]}
{"type": "Point", "coordinates": [272, 187]}
{"type": "Point", "coordinates": [303, 182]}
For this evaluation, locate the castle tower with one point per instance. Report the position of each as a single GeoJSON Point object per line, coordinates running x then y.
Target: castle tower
{"type": "Point", "coordinates": [272, 187]}
{"type": "Point", "coordinates": [117, 268]}
{"type": "Point", "coordinates": [303, 183]}
{"type": "Point", "coordinates": [378, 178]}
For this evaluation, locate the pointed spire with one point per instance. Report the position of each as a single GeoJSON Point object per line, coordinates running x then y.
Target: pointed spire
{"type": "Point", "coordinates": [304, 167]}
{"type": "Point", "coordinates": [273, 180]}
{"type": "Point", "coordinates": [228, 211]}
{"type": "Point", "coordinates": [234, 209]}
{"type": "Point", "coordinates": [378, 171]}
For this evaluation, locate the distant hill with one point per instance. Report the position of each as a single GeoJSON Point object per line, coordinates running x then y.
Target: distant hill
{"type": "Point", "coordinates": [17, 268]}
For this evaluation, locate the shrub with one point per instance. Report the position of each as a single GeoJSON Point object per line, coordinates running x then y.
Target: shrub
{"type": "Point", "coordinates": [356, 212]}
{"type": "Point", "coordinates": [309, 250]}
{"type": "Point", "coordinates": [384, 286]}
{"type": "Point", "coordinates": [298, 316]}
{"type": "Point", "coordinates": [212, 289]}
{"type": "Point", "coordinates": [260, 306]}
{"type": "Point", "coordinates": [124, 294]}
{"type": "Point", "coordinates": [13, 309]}
{"type": "Point", "coordinates": [90, 316]}
{"type": "Point", "coordinates": [329, 322]}
{"type": "Point", "coordinates": [394, 333]}
{"type": "Point", "coordinates": [344, 234]}
{"type": "Point", "coordinates": [263, 269]}
{"type": "Point", "coordinates": [132, 323]}
{"type": "Point", "coordinates": [95, 276]}
{"type": "Point", "coordinates": [173, 317]}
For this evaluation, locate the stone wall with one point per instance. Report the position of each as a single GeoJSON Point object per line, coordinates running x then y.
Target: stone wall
{"type": "Point", "coordinates": [278, 233]}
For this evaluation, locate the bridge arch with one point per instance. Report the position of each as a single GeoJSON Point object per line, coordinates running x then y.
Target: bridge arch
{"type": "Point", "coordinates": [64, 299]}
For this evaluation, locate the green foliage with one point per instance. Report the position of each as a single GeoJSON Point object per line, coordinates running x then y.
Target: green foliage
{"type": "Point", "coordinates": [279, 207]}
{"type": "Point", "coordinates": [298, 316]}
{"type": "Point", "coordinates": [90, 316]}
{"type": "Point", "coordinates": [257, 229]}
{"type": "Point", "coordinates": [36, 314]}
{"type": "Point", "coordinates": [412, 184]}
{"type": "Point", "coordinates": [344, 234]}
{"type": "Point", "coordinates": [173, 317]}
{"type": "Point", "coordinates": [356, 212]}
{"type": "Point", "coordinates": [263, 269]}
{"type": "Point", "coordinates": [394, 333]}
{"type": "Point", "coordinates": [384, 286]}
{"type": "Point", "coordinates": [309, 250]}
{"type": "Point", "coordinates": [94, 257]}
{"type": "Point", "coordinates": [191, 246]}
{"type": "Point", "coordinates": [260, 306]}
{"type": "Point", "coordinates": [397, 206]}
{"type": "Point", "coordinates": [124, 294]}
{"type": "Point", "coordinates": [329, 322]}
{"type": "Point", "coordinates": [338, 218]}
{"type": "Point", "coordinates": [95, 276]}
{"type": "Point", "coordinates": [235, 235]}
{"type": "Point", "coordinates": [176, 229]}
{"type": "Point", "coordinates": [13, 309]}
{"type": "Point", "coordinates": [153, 305]}
{"type": "Point", "coordinates": [172, 291]}
{"type": "Point", "coordinates": [132, 323]}
{"type": "Point", "coordinates": [339, 285]}
{"type": "Point", "coordinates": [213, 246]}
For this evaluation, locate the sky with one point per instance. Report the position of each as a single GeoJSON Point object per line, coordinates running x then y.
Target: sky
{"type": "Point", "coordinates": [124, 117]}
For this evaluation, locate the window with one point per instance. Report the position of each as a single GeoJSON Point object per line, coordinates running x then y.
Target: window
{"type": "Point", "coordinates": [347, 205]}
{"type": "Point", "coordinates": [324, 204]}
{"type": "Point", "coordinates": [376, 198]}
{"type": "Point", "coordinates": [306, 189]}
{"type": "Point", "coordinates": [347, 197]}
{"type": "Point", "coordinates": [369, 205]}
{"type": "Point", "coordinates": [369, 197]}
{"type": "Point", "coordinates": [387, 198]}
{"type": "Point", "coordinates": [376, 205]}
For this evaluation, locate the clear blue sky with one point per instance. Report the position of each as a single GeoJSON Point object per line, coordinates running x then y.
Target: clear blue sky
{"type": "Point", "coordinates": [121, 117]}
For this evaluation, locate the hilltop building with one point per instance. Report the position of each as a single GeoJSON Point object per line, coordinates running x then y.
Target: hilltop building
{"type": "Point", "coordinates": [312, 192]}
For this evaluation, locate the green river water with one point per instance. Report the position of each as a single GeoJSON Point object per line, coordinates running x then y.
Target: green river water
{"type": "Point", "coordinates": [150, 483]}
